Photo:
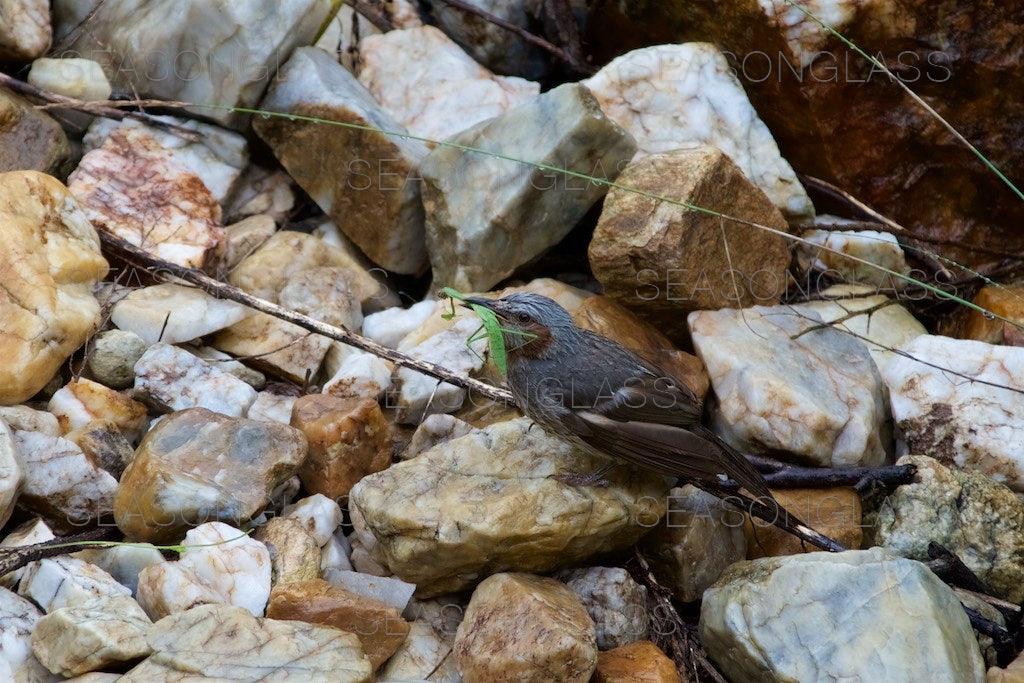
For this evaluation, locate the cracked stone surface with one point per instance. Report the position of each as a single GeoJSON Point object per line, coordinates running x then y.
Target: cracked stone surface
{"type": "Point", "coordinates": [179, 380]}
{"type": "Point", "coordinates": [977, 519]}
{"type": "Point", "coordinates": [864, 615]}
{"type": "Point", "coordinates": [817, 397]}
{"type": "Point", "coordinates": [454, 514]}
{"type": "Point", "coordinates": [961, 420]}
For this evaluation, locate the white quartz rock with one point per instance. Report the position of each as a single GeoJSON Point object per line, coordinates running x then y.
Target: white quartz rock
{"type": "Point", "coordinates": [65, 581]}
{"type": "Point", "coordinates": [319, 514]}
{"type": "Point", "coordinates": [179, 380]}
{"type": "Point", "coordinates": [390, 326]}
{"type": "Point", "coordinates": [171, 313]}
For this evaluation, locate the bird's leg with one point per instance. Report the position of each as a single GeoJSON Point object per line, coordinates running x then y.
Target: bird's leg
{"type": "Point", "coordinates": [595, 478]}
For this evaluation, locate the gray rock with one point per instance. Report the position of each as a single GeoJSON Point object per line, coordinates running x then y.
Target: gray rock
{"type": "Point", "coordinates": [863, 615]}
{"type": "Point", "coordinates": [616, 603]}
{"type": "Point", "coordinates": [113, 356]}
{"type": "Point", "coordinates": [972, 516]}
{"type": "Point", "coordinates": [155, 49]}
{"type": "Point", "coordinates": [29, 138]}
{"type": "Point", "coordinates": [477, 239]}
{"type": "Point", "coordinates": [364, 180]}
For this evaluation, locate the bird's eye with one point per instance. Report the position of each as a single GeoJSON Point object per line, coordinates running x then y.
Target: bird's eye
{"type": "Point", "coordinates": [523, 317]}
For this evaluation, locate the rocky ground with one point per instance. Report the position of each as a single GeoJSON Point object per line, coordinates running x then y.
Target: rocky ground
{"type": "Point", "coordinates": [724, 187]}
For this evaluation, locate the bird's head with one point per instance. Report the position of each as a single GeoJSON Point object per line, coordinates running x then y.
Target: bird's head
{"type": "Point", "coordinates": [530, 323]}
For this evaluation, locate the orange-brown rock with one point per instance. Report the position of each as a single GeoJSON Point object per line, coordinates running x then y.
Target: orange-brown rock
{"type": "Point", "coordinates": [1005, 302]}
{"type": "Point", "coordinates": [605, 316]}
{"type": "Point", "coordinates": [348, 439]}
{"type": "Point", "coordinates": [81, 401]}
{"type": "Point", "coordinates": [379, 626]}
{"type": "Point", "coordinates": [834, 512]}
{"type": "Point", "coordinates": [639, 662]}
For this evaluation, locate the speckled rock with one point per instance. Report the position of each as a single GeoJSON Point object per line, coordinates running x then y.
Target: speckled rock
{"type": "Point", "coordinates": [616, 603]}
{"type": "Point", "coordinates": [113, 356]}
{"type": "Point", "coordinates": [29, 139]}
{"type": "Point", "coordinates": [294, 552]}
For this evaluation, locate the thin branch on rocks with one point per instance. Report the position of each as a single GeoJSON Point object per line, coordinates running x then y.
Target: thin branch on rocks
{"type": "Point", "coordinates": [842, 319]}
{"type": "Point", "coordinates": [783, 475]}
{"type": "Point", "coordinates": [1000, 635]}
{"type": "Point", "coordinates": [951, 569]}
{"type": "Point", "coordinates": [560, 13]}
{"type": "Point", "coordinates": [17, 557]}
{"type": "Point", "coordinates": [522, 33]}
{"type": "Point", "coordinates": [373, 11]}
{"type": "Point", "coordinates": [107, 110]}
{"type": "Point", "coordinates": [165, 271]}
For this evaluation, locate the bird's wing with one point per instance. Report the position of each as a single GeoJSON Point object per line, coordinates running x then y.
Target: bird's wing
{"type": "Point", "coordinates": [667, 449]}
{"type": "Point", "coordinates": [652, 398]}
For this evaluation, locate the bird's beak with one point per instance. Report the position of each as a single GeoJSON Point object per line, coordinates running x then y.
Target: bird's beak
{"type": "Point", "coordinates": [479, 301]}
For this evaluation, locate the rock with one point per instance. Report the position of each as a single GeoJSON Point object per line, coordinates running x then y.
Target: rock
{"type": "Point", "coordinates": [835, 512]}
{"type": "Point", "coordinates": [435, 429]}
{"type": "Point", "coordinates": [64, 581]}
{"type": "Point", "coordinates": [248, 235]}
{"type": "Point", "coordinates": [364, 180]}
{"type": "Point", "coordinates": [348, 439]}
{"type": "Point", "coordinates": [181, 216]}
{"type": "Point", "coordinates": [27, 419]}
{"type": "Point", "coordinates": [661, 260]}
{"type": "Point", "coordinates": [520, 627]}
{"type": "Point", "coordinates": [123, 562]}
{"type": "Point", "coordinates": [639, 662]}
{"type": "Point", "coordinates": [475, 242]}
{"type": "Point", "coordinates": [380, 627]}
{"type": "Point", "coordinates": [82, 79]}
{"type": "Point", "coordinates": [51, 260]}
{"type": "Point", "coordinates": [334, 555]}
{"type": "Point", "coordinates": [420, 395]}
{"type": "Point", "coordinates": [62, 484]}
{"type": "Point", "coordinates": [698, 539]}
{"type": "Point", "coordinates": [29, 533]}
{"type": "Point", "coordinates": [816, 396]}
{"type": "Point", "coordinates": [197, 466]}
{"type": "Point", "coordinates": [433, 88]}
{"type": "Point", "coordinates": [30, 139]}
{"type": "Point", "coordinates": [615, 602]}
{"type": "Point", "coordinates": [1003, 302]}
{"type": "Point", "coordinates": [228, 65]}
{"type": "Point", "coordinates": [12, 474]}
{"type": "Point", "coordinates": [294, 553]}
{"type": "Point", "coordinates": [113, 356]}
{"type": "Point", "coordinates": [270, 407]}
{"type": "Point", "coordinates": [963, 422]}
{"type": "Point", "coordinates": [179, 380]}
{"type": "Point", "coordinates": [218, 158]}
{"type": "Point", "coordinates": [1013, 673]}
{"type": "Point", "coordinates": [80, 402]}
{"type": "Point", "coordinates": [75, 640]}
{"type": "Point", "coordinates": [277, 347]}
{"type": "Point", "coordinates": [604, 316]}
{"type": "Point", "coordinates": [19, 618]}
{"type": "Point", "coordinates": [674, 96]}
{"type": "Point", "coordinates": [389, 326]}
{"type": "Point", "coordinates": [360, 375]}
{"type": "Point", "coordinates": [879, 248]}
{"type": "Point", "coordinates": [220, 565]}
{"type": "Point", "coordinates": [423, 656]}
{"type": "Point", "coordinates": [470, 494]}
{"type": "Point", "coordinates": [390, 591]}
{"type": "Point", "coordinates": [324, 294]}
{"type": "Point", "coordinates": [817, 616]}
{"type": "Point", "coordinates": [228, 643]}
{"type": "Point", "coordinates": [975, 518]}
{"type": "Point", "coordinates": [318, 514]}
{"type": "Point", "coordinates": [253, 378]}
{"type": "Point", "coordinates": [172, 313]}
{"type": "Point", "coordinates": [499, 49]}
{"type": "Point", "coordinates": [884, 325]}
{"type": "Point", "coordinates": [262, 190]}
{"type": "Point", "coordinates": [25, 31]}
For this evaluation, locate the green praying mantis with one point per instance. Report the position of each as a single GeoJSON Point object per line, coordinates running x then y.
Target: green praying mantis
{"type": "Point", "coordinates": [490, 329]}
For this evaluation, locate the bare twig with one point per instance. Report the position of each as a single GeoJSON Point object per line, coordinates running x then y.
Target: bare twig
{"type": "Point", "coordinates": [103, 109]}
{"type": "Point", "coordinates": [165, 271]}
{"type": "Point", "coordinates": [373, 12]}
{"type": "Point", "coordinates": [522, 33]}
{"type": "Point", "coordinates": [17, 557]}
{"type": "Point", "coordinates": [783, 475]}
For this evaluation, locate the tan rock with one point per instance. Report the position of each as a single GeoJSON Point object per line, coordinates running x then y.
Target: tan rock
{"type": "Point", "coordinates": [275, 346]}
{"type": "Point", "coordinates": [82, 401]}
{"type": "Point", "coordinates": [380, 628]}
{"type": "Point", "coordinates": [1013, 673]}
{"type": "Point", "coordinates": [605, 316]}
{"type": "Point", "coordinates": [348, 439]}
{"type": "Point", "coordinates": [49, 263]}
{"type": "Point", "coordinates": [104, 444]}
{"type": "Point", "coordinates": [662, 260]}
{"type": "Point", "coordinates": [835, 512]}
{"type": "Point", "coordinates": [30, 139]}
{"type": "Point", "coordinates": [172, 215]}
{"type": "Point", "coordinates": [639, 662]}
{"type": "Point", "coordinates": [520, 627]}
{"type": "Point", "coordinates": [197, 466]}
{"type": "Point", "coordinates": [294, 553]}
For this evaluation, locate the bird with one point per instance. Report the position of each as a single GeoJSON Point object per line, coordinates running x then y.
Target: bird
{"type": "Point", "coordinates": [607, 400]}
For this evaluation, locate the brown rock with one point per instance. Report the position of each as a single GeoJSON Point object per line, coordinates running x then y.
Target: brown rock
{"type": "Point", "coordinates": [49, 262]}
{"type": "Point", "coordinates": [605, 316]}
{"type": "Point", "coordinates": [348, 439]}
{"type": "Point", "coordinates": [380, 627]}
{"type": "Point", "coordinates": [834, 512]}
{"type": "Point", "coordinates": [662, 260]}
{"type": "Point", "coordinates": [29, 138]}
{"type": "Point", "coordinates": [1005, 302]}
{"type": "Point", "coordinates": [1013, 673]}
{"type": "Point", "coordinates": [198, 466]}
{"type": "Point", "coordinates": [639, 662]}
{"type": "Point", "coordinates": [103, 443]}
{"type": "Point", "coordinates": [294, 553]}
{"type": "Point", "coordinates": [521, 627]}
